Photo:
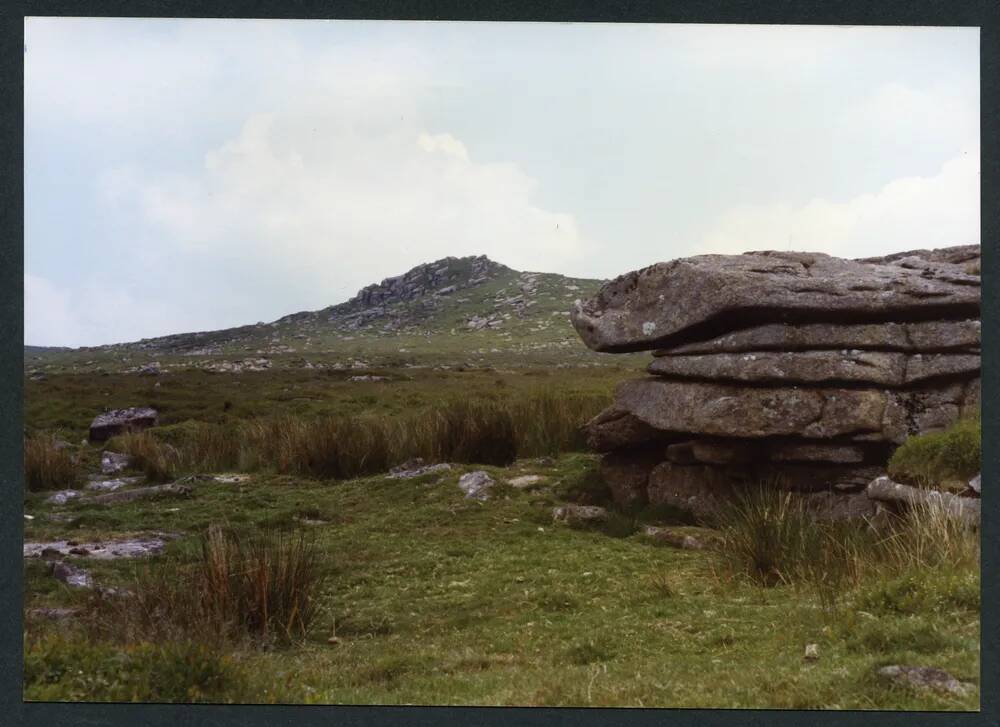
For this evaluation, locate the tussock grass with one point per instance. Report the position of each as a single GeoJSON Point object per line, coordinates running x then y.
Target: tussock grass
{"type": "Point", "coordinates": [258, 588]}
{"type": "Point", "coordinates": [159, 461]}
{"type": "Point", "coordinates": [930, 459]}
{"type": "Point", "coordinates": [47, 466]}
{"type": "Point", "coordinates": [769, 538]}
{"type": "Point", "coordinates": [477, 431]}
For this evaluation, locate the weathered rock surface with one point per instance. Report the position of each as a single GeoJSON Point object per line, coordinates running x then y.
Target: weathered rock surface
{"type": "Point", "coordinates": [646, 409]}
{"type": "Point", "coordinates": [976, 484]}
{"type": "Point", "coordinates": [966, 509]}
{"type": "Point", "coordinates": [137, 547]}
{"type": "Point", "coordinates": [925, 336]}
{"type": "Point", "coordinates": [113, 462]}
{"type": "Point", "coordinates": [476, 485]}
{"type": "Point", "coordinates": [925, 678]}
{"type": "Point", "coordinates": [799, 370]}
{"type": "Point", "coordinates": [139, 493]}
{"type": "Point", "coordinates": [62, 497]}
{"type": "Point", "coordinates": [71, 575]}
{"type": "Point", "coordinates": [673, 538]}
{"type": "Point", "coordinates": [415, 468]}
{"type": "Point", "coordinates": [117, 421]}
{"type": "Point", "coordinates": [580, 515]}
{"type": "Point", "coordinates": [818, 367]}
{"type": "Point", "coordinates": [679, 301]}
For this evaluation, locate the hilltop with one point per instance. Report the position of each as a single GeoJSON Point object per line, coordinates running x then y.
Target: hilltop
{"type": "Point", "coordinates": [468, 308]}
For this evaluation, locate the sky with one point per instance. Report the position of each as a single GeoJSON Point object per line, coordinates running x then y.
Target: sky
{"type": "Point", "coordinates": [187, 175]}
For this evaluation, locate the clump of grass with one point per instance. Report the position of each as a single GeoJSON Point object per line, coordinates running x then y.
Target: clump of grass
{"type": "Point", "coordinates": [930, 459]}
{"type": "Point", "coordinates": [259, 587]}
{"type": "Point", "coordinates": [159, 461]}
{"type": "Point", "coordinates": [770, 538]}
{"type": "Point", "coordinates": [479, 431]}
{"type": "Point", "coordinates": [47, 466]}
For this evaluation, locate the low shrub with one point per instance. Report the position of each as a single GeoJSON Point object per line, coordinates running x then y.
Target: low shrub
{"type": "Point", "coordinates": [929, 459]}
{"type": "Point", "coordinates": [47, 465]}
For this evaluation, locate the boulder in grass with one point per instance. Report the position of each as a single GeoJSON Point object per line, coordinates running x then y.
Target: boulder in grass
{"type": "Point", "coordinates": [118, 421]}
{"type": "Point", "coordinates": [476, 485]}
{"type": "Point", "coordinates": [580, 515]}
{"type": "Point", "coordinates": [925, 678]}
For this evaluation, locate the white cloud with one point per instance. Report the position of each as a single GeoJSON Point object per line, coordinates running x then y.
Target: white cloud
{"type": "Point", "coordinates": [321, 197]}
{"type": "Point", "coordinates": [907, 213]}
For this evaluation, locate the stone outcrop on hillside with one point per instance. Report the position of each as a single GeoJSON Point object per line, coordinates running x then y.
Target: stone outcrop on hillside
{"type": "Point", "coordinates": [802, 370]}
{"type": "Point", "coordinates": [118, 421]}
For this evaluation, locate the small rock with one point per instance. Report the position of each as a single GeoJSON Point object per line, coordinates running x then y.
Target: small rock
{"type": "Point", "coordinates": [525, 482]}
{"type": "Point", "coordinates": [925, 677]}
{"type": "Point", "coordinates": [72, 576]}
{"type": "Point", "coordinates": [667, 536]}
{"type": "Point", "coordinates": [114, 462]}
{"type": "Point", "coordinates": [580, 514]}
{"type": "Point", "coordinates": [415, 468]}
{"type": "Point", "coordinates": [62, 497]}
{"type": "Point", "coordinates": [333, 640]}
{"type": "Point", "coordinates": [975, 484]}
{"type": "Point", "coordinates": [54, 614]}
{"type": "Point", "coordinates": [812, 652]}
{"type": "Point", "coordinates": [476, 485]}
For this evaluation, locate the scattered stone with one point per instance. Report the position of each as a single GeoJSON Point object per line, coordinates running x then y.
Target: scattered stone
{"type": "Point", "coordinates": [135, 547]}
{"type": "Point", "coordinates": [368, 377]}
{"type": "Point", "coordinates": [117, 421]}
{"type": "Point", "coordinates": [112, 484]}
{"type": "Point", "coordinates": [231, 479]}
{"type": "Point", "coordinates": [71, 575]}
{"type": "Point", "coordinates": [476, 485]}
{"type": "Point", "coordinates": [925, 678]}
{"type": "Point", "coordinates": [113, 462]}
{"type": "Point", "coordinates": [62, 497]}
{"type": "Point", "coordinates": [139, 493]}
{"type": "Point", "coordinates": [812, 652]}
{"type": "Point", "coordinates": [975, 484]}
{"type": "Point", "coordinates": [525, 482]}
{"type": "Point", "coordinates": [673, 538]}
{"type": "Point", "coordinates": [966, 509]}
{"type": "Point", "coordinates": [415, 468]}
{"type": "Point", "coordinates": [577, 515]}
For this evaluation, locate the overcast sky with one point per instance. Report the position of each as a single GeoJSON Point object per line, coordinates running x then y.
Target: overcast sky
{"type": "Point", "coordinates": [185, 175]}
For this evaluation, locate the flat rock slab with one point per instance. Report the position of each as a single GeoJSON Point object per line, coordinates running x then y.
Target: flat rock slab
{"type": "Point", "coordinates": [672, 303]}
{"type": "Point", "coordinates": [110, 484]}
{"type": "Point", "coordinates": [818, 367]}
{"type": "Point", "coordinates": [925, 678]}
{"type": "Point", "coordinates": [137, 547]}
{"type": "Point", "coordinates": [140, 493]}
{"type": "Point", "coordinates": [62, 497]}
{"type": "Point", "coordinates": [117, 421]}
{"type": "Point", "coordinates": [526, 482]}
{"type": "Point", "coordinates": [924, 336]}
{"type": "Point", "coordinates": [644, 409]}
{"type": "Point", "coordinates": [966, 509]}
{"type": "Point", "coordinates": [415, 468]}
{"type": "Point", "coordinates": [674, 538]}
{"type": "Point", "coordinates": [580, 514]}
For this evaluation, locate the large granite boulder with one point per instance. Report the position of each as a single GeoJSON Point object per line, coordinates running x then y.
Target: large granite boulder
{"type": "Point", "coordinates": [799, 370]}
{"type": "Point", "coordinates": [694, 298]}
{"type": "Point", "coordinates": [118, 421]}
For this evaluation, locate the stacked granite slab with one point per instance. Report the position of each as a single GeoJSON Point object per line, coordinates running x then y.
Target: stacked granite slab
{"type": "Point", "coordinates": [800, 370]}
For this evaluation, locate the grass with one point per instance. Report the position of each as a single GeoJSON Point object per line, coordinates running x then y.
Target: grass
{"type": "Point", "coordinates": [342, 447]}
{"type": "Point", "coordinates": [47, 465]}
{"type": "Point", "coordinates": [936, 458]}
{"type": "Point", "coordinates": [424, 597]}
{"type": "Point", "coordinates": [258, 587]}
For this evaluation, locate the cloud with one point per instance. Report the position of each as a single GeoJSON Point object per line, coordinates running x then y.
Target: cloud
{"type": "Point", "coordinates": [907, 213]}
{"type": "Point", "coordinates": [326, 197]}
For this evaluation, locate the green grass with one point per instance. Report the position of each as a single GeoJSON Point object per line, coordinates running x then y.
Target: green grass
{"type": "Point", "coordinates": [424, 597]}
{"type": "Point", "coordinates": [48, 466]}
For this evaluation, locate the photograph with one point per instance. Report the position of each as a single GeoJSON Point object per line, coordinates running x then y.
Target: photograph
{"type": "Point", "coordinates": [501, 364]}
